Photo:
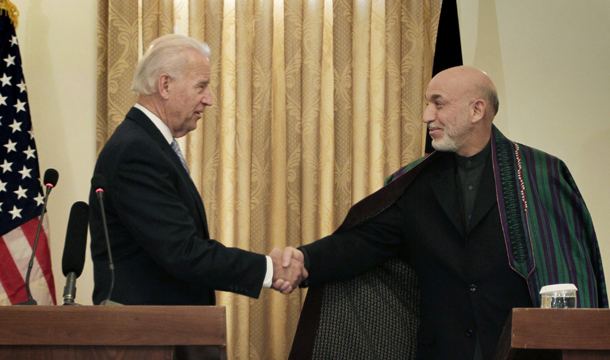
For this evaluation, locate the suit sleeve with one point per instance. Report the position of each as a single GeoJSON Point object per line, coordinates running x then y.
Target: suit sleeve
{"type": "Point", "coordinates": [359, 249]}
{"type": "Point", "coordinates": [155, 205]}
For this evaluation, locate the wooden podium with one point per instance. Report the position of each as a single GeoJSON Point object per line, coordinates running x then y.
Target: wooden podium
{"type": "Point", "coordinates": [566, 334]}
{"type": "Point", "coordinates": [108, 332]}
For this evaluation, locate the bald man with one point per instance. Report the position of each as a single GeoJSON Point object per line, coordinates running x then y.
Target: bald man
{"type": "Point", "coordinates": [481, 224]}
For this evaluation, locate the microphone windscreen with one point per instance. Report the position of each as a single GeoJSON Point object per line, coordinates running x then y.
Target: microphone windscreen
{"type": "Point", "coordinates": [98, 182]}
{"type": "Point", "coordinates": [76, 239]}
{"type": "Point", "coordinates": [50, 177]}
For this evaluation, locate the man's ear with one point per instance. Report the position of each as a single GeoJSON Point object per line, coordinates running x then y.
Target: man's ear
{"type": "Point", "coordinates": [477, 110]}
{"type": "Point", "coordinates": [163, 84]}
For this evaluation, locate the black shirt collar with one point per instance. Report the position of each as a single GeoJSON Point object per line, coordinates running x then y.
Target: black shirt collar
{"type": "Point", "coordinates": [474, 161]}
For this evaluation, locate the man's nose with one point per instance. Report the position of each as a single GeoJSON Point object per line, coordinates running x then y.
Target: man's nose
{"type": "Point", "coordinates": [207, 97]}
{"type": "Point", "coordinates": [429, 115]}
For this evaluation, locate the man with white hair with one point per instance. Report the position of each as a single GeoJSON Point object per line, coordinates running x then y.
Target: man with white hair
{"type": "Point", "coordinates": [157, 226]}
{"type": "Point", "coordinates": [478, 226]}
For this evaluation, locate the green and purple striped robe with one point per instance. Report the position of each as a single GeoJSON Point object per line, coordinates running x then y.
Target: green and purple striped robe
{"type": "Point", "coordinates": [547, 228]}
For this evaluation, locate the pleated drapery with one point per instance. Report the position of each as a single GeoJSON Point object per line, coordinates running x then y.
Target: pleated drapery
{"type": "Point", "coordinates": [315, 103]}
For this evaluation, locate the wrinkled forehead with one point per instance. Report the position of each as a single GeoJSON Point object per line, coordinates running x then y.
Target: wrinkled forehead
{"type": "Point", "coordinates": [449, 87]}
{"type": "Point", "coordinates": [438, 89]}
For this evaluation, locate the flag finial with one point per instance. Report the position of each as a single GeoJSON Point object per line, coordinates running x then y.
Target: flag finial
{"type": "Point", "coordinates": [9, 9]}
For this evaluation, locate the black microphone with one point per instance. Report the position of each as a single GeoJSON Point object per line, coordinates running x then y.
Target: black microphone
{"type": "Point", "coordinates": [50, 180]}
{"type": "Point", "coordinates": [98, 182]}
{"type": "Point", "coordinates": [75, 248]}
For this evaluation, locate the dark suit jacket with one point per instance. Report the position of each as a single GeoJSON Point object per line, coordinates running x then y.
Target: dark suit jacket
{"type": "Point", "coordinates": [157, 227]}
{"type": "Point", "coordinates": [467, 287]}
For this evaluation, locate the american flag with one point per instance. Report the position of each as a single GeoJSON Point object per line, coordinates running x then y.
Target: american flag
{"type": "Point", "coordinates": [21, 194]}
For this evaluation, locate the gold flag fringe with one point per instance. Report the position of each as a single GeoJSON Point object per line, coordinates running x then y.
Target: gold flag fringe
{"type": "Point", "coordinates": [9, 9]}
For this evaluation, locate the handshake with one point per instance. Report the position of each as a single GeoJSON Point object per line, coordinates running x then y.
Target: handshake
{"type": "Point", "coordinates": [288, 269]}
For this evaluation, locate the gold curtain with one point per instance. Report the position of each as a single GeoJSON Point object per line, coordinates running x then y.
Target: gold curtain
{"type": "Point", "coordinates": [315, 103]}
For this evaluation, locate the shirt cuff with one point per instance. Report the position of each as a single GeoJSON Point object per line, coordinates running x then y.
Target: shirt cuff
{"type": "Point", "coordinates": [269, 275]}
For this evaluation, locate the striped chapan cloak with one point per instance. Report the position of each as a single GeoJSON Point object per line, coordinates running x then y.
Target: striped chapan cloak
{"type": "Point", "coordinates": [549, 239]}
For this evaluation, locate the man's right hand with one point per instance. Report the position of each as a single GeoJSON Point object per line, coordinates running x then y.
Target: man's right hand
{"type": "Point", "coordinates": [288, 269]}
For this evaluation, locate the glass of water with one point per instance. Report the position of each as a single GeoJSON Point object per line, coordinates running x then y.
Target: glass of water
{"type": "Point", "coordinates": [558, 296]}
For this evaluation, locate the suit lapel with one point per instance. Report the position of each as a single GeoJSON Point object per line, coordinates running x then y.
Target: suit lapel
{"type": "Point", "coordinates": [445, 189]}
{"type": "Point", "coordinates": [141, 119]}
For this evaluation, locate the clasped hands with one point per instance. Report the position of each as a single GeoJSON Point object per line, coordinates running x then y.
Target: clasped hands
{"type": "Point", "coordinates": [288, 269]}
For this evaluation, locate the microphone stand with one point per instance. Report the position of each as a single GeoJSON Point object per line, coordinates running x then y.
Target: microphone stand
{"type": "Point", "coordinates": [69, 294]}
{"type": "Point", "coordinates": [31, 300]}
{"type": "Point", "coordinates": [107, 302]}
